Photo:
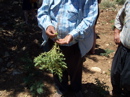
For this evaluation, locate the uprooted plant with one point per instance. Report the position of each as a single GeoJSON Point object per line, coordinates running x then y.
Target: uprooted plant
{"type": "Point", "coordinates": [52, 61]}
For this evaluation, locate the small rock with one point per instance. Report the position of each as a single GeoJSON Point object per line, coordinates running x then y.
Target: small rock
{"type": "Point", "coordinates": [103, 72]}
{"type": "Point", "coordinates": [24, 48]}
{"type": "Point", "coordinates": [16, 72]}
{"type": "Point", "coordinates": [95, 69]}
{"type": "Point", "coordinates": [107, 44]}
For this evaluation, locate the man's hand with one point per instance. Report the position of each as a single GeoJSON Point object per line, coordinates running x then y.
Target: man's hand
{"type": "Point", "coordinates": [117, 36]}
{"type": "Point", "coordinates": [51, 32]}
{"type": "Point", "coordinates": [65, 40]}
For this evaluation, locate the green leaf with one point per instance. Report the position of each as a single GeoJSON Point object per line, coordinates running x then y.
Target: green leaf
{"type": "Point", "coordinates": [40, 90]}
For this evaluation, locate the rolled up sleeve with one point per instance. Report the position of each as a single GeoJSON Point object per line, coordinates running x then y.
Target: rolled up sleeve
{"type": "Point", "coordinates": [88, 19]}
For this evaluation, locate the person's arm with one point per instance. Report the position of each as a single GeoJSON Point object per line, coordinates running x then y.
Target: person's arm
{"type": "Point", "coordinates": [90, 11]}
{"type": "Point", "coordinates": [43, 15]}
{"type": "Point", "coordinates": [119, 21]}
{"type": "Point", "coordinates": [44, 21]}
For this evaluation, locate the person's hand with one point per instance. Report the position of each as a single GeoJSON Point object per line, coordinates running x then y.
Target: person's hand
{"type": "Point", "coordinates": [65, 40]}
{"type": "Point", "coordinates": [117, 36]}
{"type": "Point", "coordinates": [51, 32]}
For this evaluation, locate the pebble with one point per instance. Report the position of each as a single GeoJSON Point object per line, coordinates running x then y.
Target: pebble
{"type": "Point", "coordinates": [96, 69]}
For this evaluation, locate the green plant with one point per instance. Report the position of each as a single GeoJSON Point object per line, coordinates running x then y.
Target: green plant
{"type": "Point", "coordinates": [52, 61]}
{"type": "Point", "coordinates": [107, 52]}
{"type": "Point", "coordinates": [109, 72]}
{"type": "Point", "coordinates": [37, 87]}
{"type": "Point", "coordinates": [107, 4]}
{"type": "Point", "coordinates": [31, 80]}
{"type": "Point", "coordinates": [112, 27]}
{"type": "Point", "coordinates": [112, 21]}
{"type": "Point", "coordinates": [120, 2]}
{"type": "Point", "coordinates": [102, 87]}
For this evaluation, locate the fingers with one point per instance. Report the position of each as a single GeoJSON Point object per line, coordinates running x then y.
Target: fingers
{"type": "Point", "coordinates": [65, 40]}
{"type": "Point", "coordinates": [61, 41]}
{"type": "Point", "coordinates": [51, 32]}
{"type": "Point", "coordinates": [117, 36]}
{"type": "Point", "coordinates": [117, 41]}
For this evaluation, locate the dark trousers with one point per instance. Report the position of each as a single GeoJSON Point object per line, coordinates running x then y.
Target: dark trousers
{"type": "Point", "coordinates": [74, 70]}
{"type": "Point", "coordinates": [120, 71]}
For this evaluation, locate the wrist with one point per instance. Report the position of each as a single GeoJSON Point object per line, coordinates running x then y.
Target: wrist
{"type": "Point", "coordinates": [116, 30]}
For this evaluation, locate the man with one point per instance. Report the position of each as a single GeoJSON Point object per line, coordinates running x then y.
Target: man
{"type": "Point", "coordinates": [74, 21]}
{"type": "Point", "coordinates": [120, 71]}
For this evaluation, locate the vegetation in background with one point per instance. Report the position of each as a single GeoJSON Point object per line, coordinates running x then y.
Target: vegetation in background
{"type": "Point", "coordinates": [120, 2]}
{"type": "Point", "coordinates": [102, 87]}
{"type": "Point", "coordinates": [32, 82]}
{"type": "Point", "coordinates": [105, 4]}
{"type": "Point", "coordinates": [107, 52]}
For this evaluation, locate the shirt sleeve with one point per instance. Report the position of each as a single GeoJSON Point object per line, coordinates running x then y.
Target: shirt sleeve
{"type": "Point", "coordinates": [44, 19]}
{"type": "Point", "coordinates": [119, 20]}
{"type": "Point", "coordinates": [90, 11]}
{"type": "Point", "coordinates": [43, 15]}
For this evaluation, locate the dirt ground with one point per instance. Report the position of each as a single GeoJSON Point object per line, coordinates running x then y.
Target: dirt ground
{"type": "Point", "coordinates": [21, 43]}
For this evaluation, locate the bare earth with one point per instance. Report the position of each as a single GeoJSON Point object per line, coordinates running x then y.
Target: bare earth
{"type": "Point", "coordinates": [20, 42]}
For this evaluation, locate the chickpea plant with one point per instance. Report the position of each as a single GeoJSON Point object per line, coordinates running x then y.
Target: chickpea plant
{"type": "Point", "coordinates": [52, 61]}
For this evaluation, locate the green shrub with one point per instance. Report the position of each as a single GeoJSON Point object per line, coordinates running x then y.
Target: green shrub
{"type": "Point", "coordinates": [107, 52]}
{"type": "Point", "coordinates": [52, 61]}
{"type": "Point", "coordinates": [120, 2]}
{"type": "Point", "coordinates": [103, 89]}
{"type": "Point", "coordinates": [107, 4]}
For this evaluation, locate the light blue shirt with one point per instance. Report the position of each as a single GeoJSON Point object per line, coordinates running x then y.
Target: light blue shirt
{"type": "Point", "coordinates": [75, 17]}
